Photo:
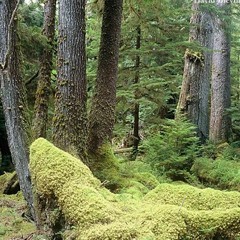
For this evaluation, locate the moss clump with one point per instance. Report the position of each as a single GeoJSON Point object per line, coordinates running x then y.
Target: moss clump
{"type": "Point", "coordinates": [168, 212]}
{"type": "Point", "coordinates": [4, 179]}
{"type": "Point", "coordinates": [220, 172]}
{"type": "Point", "coordinates": [105, 167]}
{"type": "Point", "coordinates": [53, 168]}
{"type": "Point", "coordinates": [118, 176]}
{"type": "Point", "coordinates": [193, 198]}
{"type": "Point", "coordinates": [147, 179]}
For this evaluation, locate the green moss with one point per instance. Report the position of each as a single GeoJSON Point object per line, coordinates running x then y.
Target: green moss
{"type": "Point", "coordinates": [168, 212]}
{"type": "Point", "coordinates": [134, 188]}
{"type": "Point", "coordinates": [4, 179]}
{"type": "Point", "coordinates": [12, 225]}
{"type": "Point", "coordinates": [105, 167]}
{"type": "Point", "coordinates": [147, 179]}
{"type": "Point", "coordinates": [53, 168]}
{"type": "Point", "coordinates": [223, 173]}
{"type": "Point", "coordinates": [192, 197]}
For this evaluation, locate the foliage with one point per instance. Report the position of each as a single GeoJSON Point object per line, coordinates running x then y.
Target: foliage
{"type": "Point", "coordinates": [222, 172]}
{"type": "Point", "coordinates": [173, 150]}
{"type": "Point", "coordinates": [32, 43]}
{"type": "Point", "coordinates": [167, 212]}
{"type": "Point", "coordinates": [161, 52]}
{"type": "Point", "coordinates": [235, 56]}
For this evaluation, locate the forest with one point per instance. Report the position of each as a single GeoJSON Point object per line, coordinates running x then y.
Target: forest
{"type": "Point", "coordinates": [119, 120]}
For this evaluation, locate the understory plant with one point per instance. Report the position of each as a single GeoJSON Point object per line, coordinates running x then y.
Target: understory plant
{"type": "Point", "coordinates": [173, 149]}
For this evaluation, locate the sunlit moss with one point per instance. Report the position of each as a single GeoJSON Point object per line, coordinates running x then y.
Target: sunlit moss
{"type": "Point", "coordinates": [193, 198]}
{"type": "Point", "coordinates": [168, 212]}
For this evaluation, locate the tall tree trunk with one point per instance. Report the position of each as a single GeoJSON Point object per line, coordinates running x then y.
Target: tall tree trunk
{"type": "Point", "coordinates": [13, 97]}
{"type": "Point", "coordinates": [220, 122]}
{"type": "Point", "coordinates": [40, 121]}
{"type": "Point", "coordinates": [136, 105]}
{"type": "Point", "coordinates": [194, 96]}
{"type": "Point", "coordinates": [69, 123]}
{"type": "Point", "coordinates": [102, 115]}
{"type": "Point", "coordinates": [5, 154]}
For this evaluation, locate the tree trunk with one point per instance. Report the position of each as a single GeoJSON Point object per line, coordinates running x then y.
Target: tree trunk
{"type": "Point", "coordinates": [194, 96]}
{"type": "Point", "coordinates": [69, 123]}
{"type": "Point", "coordinates": [102, 115]}
{"type": "Point", "coordinates": [40, 121]}
{"type": "Point", "coordinates": [136, 105]}
{"type": "Point", "coordinates": [220, 122]}
{"type": "Point", "coordinates": [13, 97]}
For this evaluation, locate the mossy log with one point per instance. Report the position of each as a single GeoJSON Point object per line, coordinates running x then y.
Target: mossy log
{"type": "Point", "coordinates": [9, 183]}
{"type": "Point", "coordinates": [168, 212]}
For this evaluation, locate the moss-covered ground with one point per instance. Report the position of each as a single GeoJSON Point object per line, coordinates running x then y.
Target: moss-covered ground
{"type": "Point", "coordinates": [12, 223]}
{"type": "Point", "coordinates": [167, 212]}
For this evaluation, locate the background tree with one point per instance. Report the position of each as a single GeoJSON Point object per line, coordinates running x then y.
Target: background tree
{"type": "Point", "coordinates": [44, 83]}
{"type": "Point", "coordinates": [102, 115]}
{"type": "Point", "coordinates": [69, 122]}
{"type": "Point", "coordinates": [13, 97]}
{"type": "Point", "coordinates": [194, 96]}
{"type": "Point", "coordinates": [160, 70]}
{"type": "Point", "coordinates": [136, 105]}
{"type": "Point", "coordinates": [220, 122]}
{"type": "Point", "coordinates": [5, 154]}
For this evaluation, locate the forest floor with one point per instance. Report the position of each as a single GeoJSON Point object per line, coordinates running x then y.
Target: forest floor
{"type": "Point", "coordinates": [14, 225]}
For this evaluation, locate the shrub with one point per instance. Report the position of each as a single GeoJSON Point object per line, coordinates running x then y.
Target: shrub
{"type": "Point", "coordinates": [221, 172]}
{"type": "Point", "coordinates": [173, 150]}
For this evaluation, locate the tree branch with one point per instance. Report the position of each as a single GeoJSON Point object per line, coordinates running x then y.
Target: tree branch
{"type": "Point", "coordinates": [32, 78]}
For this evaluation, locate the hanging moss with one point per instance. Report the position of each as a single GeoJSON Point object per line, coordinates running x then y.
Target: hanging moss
{"type": "Point", "coordinates": [196, 57]}
{"type": "Point", "coordinates": [168, 212]}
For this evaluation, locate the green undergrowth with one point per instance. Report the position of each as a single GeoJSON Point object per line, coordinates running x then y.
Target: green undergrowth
{"type": "Point", "coordinates": [221, 173]}
{"type": "Point", "coordinates": [167, 212]}
{"type": "Point", "coordinates": [172, 150]}
{"type": "Point", "coordinates": [12, 224]}
{"type": "Point", "coordinates": [4, 180]}
{"type": "Point", "coordinates": [119, 174]}
{"type": "Point", "coordinates": [219, 166]}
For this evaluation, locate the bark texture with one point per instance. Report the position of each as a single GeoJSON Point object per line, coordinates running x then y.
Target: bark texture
{"type": "Point", "coordinates": [40, 121]}
{"type": "Point", "coordinates": [102, 115]}
{"type": "Point", "coordinates": [69, 123]}
{"type": "Point", "coordinates": [194, 96]}
{"type": "Point", "coordinates": [136, 105]}
{"type": "Point", "coordinates": [220, 122]}
{"type": "Point", "coordinates": [13, 98]}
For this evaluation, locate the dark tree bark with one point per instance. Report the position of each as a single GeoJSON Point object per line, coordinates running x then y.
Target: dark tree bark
{"type": "Point", "coordinates": [40, 121]}
{"type": "Point", "coordinates": [136, 105]}
{"type": "Point", "coordinates": [102, 115]}
{"type": "Point", "coordinates": [220, 122]}
{"type": "Point", "coordinates": [194, 96]}
{"type": "Point", "coordinates": [69, 123]}
{"type": "Point", "coordinates": [5, 154]}
{"type": "Point", "coordinates": [13, 97]}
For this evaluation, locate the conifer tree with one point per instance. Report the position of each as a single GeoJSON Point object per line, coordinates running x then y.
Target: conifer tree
{"type": "Point", "coordinates": [220, 121]}
{"type": "Point", "coordinates": [13, 97]}
{"type": "Point", "coordinates": [102, 115]}
{"type": "Point", "coordinates": [40, 121]}
{"type": "Point", "coordinates": [69, 123]}
{"type": "Point", "coordinates": [194, 96]}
